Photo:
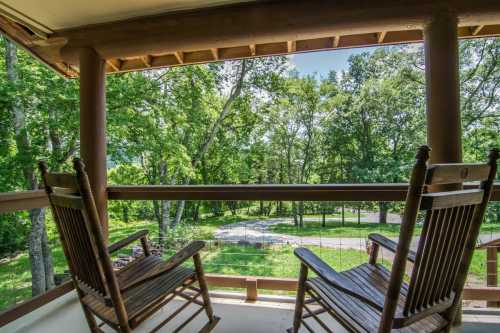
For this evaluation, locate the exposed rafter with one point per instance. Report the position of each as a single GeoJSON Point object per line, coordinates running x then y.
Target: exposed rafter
{"type": "Point", "coordinates": [146, 60]}
{"type": "Point", "coordinates": [477, 29]}
{"type": "Point", "coordinates": [254, 29]}
{"type": "Point", "coordinates": [381, 36]}
{"type": "Point", "coordinates": [179, 56]}
{"type": "Point", "coordinates": [335, 41]}
{"type": "Point", "coordinates": [253, 50]}
{"type": "Point", "coordinates": [115, 64]}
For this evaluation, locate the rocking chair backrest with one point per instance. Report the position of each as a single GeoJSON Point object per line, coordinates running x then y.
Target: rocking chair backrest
{"type": "Point", "coordinates": [449, 234]}
{"type": "Point", "coordinates": [78, 224]}
{"type": "Point", "coordinates": [452, 220]}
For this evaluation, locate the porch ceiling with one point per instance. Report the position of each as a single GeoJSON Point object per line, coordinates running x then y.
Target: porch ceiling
{"type": "Point", "coordinates": [51, 15]}
{"type": "Point", "coordinates": [133, 35]}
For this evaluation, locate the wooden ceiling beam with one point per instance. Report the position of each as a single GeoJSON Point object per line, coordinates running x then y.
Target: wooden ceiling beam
{"type": "Point", "coordinates": [260, 23]}
{"type": "Point", "coordinates": [348, 41]}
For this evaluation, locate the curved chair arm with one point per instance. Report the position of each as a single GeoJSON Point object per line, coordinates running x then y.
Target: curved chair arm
{"type": "Point", "coordinates": [141, 234]}
{"type": "Point", "coordinates": [187, 252]}
{"type": "Point", "coordinates": [390, 245]}
{"type": "Point", "coordinates": [335, 279]}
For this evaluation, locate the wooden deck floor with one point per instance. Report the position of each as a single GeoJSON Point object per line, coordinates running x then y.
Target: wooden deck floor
{"type": "Point", "coordinates": [65, 315]}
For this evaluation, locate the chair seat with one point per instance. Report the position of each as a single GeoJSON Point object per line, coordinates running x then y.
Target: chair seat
{"type": "Point", "coordinates": [353, 313]}
{"type": "Point", "coordinates": [142, 298]}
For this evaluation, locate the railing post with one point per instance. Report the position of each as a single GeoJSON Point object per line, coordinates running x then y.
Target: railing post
{"type": "Point", "coordinates": [93, 127]}
{"type": "Point", "coordinates": [491, 272]}
{"type": "Point", "coordinates": [251, 284]}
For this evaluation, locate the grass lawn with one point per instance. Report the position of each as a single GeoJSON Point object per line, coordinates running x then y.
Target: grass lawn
{"type": "Point", "coordinates": [335, 229]}
{"type": "Point", "coordinates": [276, 261]}
{"type": "Point", "coordinates": [353, 229]}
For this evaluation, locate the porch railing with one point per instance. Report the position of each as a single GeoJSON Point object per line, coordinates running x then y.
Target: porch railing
{"type": "Point", "coordinates": [18, 201]}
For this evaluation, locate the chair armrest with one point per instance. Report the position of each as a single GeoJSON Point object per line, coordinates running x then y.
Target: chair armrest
{"type": "Point", "coordinates": [390, 245]}
{"type": "Point", "coordinates": [335, 279]}
{"type": "Point", "coordinates": [187, 252]}
{"type": "Point", "coordinates": [126, 241]}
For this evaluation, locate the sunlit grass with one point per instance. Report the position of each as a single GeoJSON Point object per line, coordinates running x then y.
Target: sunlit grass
{"type": "Point", "coordinates": [272, 261]}
{"type": "Point", "coordinates": [337, 229]}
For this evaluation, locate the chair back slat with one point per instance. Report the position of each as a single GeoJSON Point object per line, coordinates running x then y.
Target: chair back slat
{"type": "Point", "coordinates": [66, 200]}
{"type": "Point", "coordinates": [62, 180]}
{"type": "Point", "coordinates": [456, 173]}
{"type": "Point", "coordinates": [441, 246]}
{"type": "Point", "coordinates": [441, 200]}
{"type": "Point", "coordinates": [81, 250]}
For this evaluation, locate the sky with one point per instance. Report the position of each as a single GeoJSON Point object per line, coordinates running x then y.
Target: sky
{"type": "Point", "coordinates": [320, 63]}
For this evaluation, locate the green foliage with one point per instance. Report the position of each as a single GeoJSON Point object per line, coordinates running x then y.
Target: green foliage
{"type": "Point", "coordinates": [13, 233]}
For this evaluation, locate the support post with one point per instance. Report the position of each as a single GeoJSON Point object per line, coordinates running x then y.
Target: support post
{"type": "Point", "coordinates": [93, 128]}
{"type": "Point", "coordinates": [251, 284]}
{"type": "Point", "coordinates": [492, 272]}
{"type": "Point", "coordinates": [444, 130]}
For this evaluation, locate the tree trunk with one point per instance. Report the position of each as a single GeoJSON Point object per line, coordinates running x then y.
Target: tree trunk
{"type": "Point", "coordinates": [47, 257]}
{"type": "Point", "coordinates": [301, 214]}
{"type": "Point", "coordinates": [38, 282]}
{"type": "Point", "coordinates": [165, 218]}
{"type": "Point", "coordinates": [383, 208]}
{"type": "Point", "coordinates": [294, 213]}
{"type": "Point", "coordinates": [42, 275]}
{"type": "Point", "coordinates": [125, 214]}
{"type": "Point", "coordinates": [323, 212]}
{"type": "Point", "coordinates": [164, 221]}
{"type": "Point", "coordinates": [179, 210]}
{"type": "Point", "coordinates": [343, 214]}
{"type": "Point", "coordinates": [196, 212]}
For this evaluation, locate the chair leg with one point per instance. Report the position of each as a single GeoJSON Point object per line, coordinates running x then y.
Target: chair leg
{"type": "Point", "coordinates": [299, 303]}
{"type": "Point", "coordinates": [94, 328]}
{"type": "Point", "coordinates": [204, 294]}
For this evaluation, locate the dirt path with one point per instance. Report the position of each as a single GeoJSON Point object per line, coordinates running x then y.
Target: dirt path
{"type": "Point", "coordinates": [257, 231]}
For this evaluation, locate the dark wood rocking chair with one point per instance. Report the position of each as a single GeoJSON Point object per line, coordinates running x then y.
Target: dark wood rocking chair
{"type": "Point", "coordinates": [370, 298]}
{"type": "Point", "coordinates": [124, 298]}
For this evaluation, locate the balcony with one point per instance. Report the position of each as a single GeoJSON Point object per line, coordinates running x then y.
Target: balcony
{"type": "Point", "coordinates": [253, 303]}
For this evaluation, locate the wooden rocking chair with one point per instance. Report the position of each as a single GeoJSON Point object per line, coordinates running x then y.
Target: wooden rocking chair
{"type": "Point", "coordinates": [370, 298]}
{"type": "Point", "coordinates": [124, 298]}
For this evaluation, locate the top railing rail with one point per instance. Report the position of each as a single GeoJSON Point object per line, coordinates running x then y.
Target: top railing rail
{"type": "Point", "coordinates": [25, 200]}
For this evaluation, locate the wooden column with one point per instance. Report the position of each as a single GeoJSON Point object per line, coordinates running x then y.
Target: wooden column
{"type": "Point", "coordinates": [93, 127]}
{"type": "Point", "coordinates": [444, 131]}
